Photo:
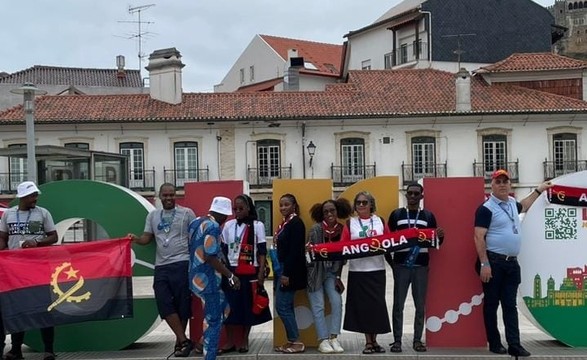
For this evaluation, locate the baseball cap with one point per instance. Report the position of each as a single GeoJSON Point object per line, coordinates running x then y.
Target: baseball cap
{"type": "Point", "coordinates": [500, 172]}
{"type": "Point", "coordinates": [221, 205]}
{"type": "Point", "coordinates": [26, 188]}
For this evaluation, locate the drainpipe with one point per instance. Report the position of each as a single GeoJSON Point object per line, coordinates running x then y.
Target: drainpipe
{"type": "Point", "coordinates": [429, 36]}
{"type": "Point", "coordinates": [303, 150]}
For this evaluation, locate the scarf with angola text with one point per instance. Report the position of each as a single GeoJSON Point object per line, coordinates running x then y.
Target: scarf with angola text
{"type": "Point", "coordinates": [567, 195]}
{"type": "Point", "coordinates": [374, 245]}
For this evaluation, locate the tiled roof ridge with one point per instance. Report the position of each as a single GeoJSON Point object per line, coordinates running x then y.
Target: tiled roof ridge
{"type": "Point", "coordinates": [499, 66]}
{"type": "Point", "coordinates": [300, 40]}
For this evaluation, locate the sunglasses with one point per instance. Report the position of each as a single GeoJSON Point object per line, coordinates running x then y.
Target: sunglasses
{"type": "Point", "coordinates": [413, 193]}
{"type": "Point", "coordinates": [362, 202]}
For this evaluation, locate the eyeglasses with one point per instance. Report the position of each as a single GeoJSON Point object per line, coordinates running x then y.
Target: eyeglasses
{"type": "Point", "coordinates": [499, 182]}
{"type": "Point", "coordinates": [362, 202]}
{"type": "Point", "coordinates": [413, 193]}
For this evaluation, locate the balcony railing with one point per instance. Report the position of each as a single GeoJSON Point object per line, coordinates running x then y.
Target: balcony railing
{"type": "Point", "coordinates": [415, 172]}
{"type": "Point", "coordinates": [348, 175]}
{"type": "Point", "coordinates": [182, 176]}
{"type": "Point", "coordinates": [142, 180]}
{"type": "Point", "coordinates": [554, 169]}
{"type": "Point", "coordinates": [9, 181]}
{"type": "Point", "coordinates": [263, 176]}
{"type": "Point", "coordinates": [485, 171]}
{"type": "Point", "coordinates": [408, 53]}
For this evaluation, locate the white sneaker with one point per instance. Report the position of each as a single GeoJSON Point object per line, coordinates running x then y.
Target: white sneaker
{"type": "Point", "coordinates": [335, 344]}
{"type": "Point", "coordinates": [325, 347]}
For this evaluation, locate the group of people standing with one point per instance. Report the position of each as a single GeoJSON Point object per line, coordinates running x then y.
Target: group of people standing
{"type": "Point", "coordinates": [365, 307]}
{"type": "Point", "coordinates": [224, 264]}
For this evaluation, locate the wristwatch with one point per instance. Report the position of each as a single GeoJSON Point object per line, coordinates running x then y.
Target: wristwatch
{"type": "Point", "coordinates": [484, 264]}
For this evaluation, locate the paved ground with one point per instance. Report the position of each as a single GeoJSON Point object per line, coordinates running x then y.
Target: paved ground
{"type": "Point", "coordinates": [159, 345]}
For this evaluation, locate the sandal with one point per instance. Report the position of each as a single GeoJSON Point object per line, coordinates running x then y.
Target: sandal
{"type": "Point", "coordinates": [377, 348]}
{"type": "Point", "coordinates": [281, 348]}
{"type": "Point", "coordinates": [368, 349]}
{"type": "Point", "coordinates": [295, 348]}
{"type": "Point", "coordinates": [198, 348]}
{"type": "Point", "coordinates": [184, 349]}
{"type": "Point", "coordinates": [396, 347]}
{"type": "Point", "coordinates": [419, 346]}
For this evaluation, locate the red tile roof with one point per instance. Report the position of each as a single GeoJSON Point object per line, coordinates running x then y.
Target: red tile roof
{"type": "Point", "coordinates": [54, 75]}
{"type": "Point", "coordinates": [519, 62]}
{"type": "Point", "coordinates": [373, 93]}
{"type": "Point", "coordinates": [326, 57]}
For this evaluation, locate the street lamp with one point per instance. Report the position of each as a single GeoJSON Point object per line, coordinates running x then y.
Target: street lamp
{"type": "Point", "coordinates": [29, 91]}
{"type": "Point", "coordinates": [311, 151]}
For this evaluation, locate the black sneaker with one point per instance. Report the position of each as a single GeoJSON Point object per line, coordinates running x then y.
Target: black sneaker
{"type": "Point", "coordinates": [498, 349]}
{"type": "Point", "coordinates": [518, 350]}
{"type": "Point", "coordinates": [49, 356]}
{"type": "Point", "coordinates": [14, 355]}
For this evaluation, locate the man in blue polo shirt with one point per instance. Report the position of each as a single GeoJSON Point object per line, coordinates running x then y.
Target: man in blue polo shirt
{"type": "Point", "coordinates": [497, 240]}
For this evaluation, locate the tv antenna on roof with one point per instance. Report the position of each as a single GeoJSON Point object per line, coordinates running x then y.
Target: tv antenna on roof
{"type": "Point", "coordinates": [140, 34]}
{"type": "Point", "coordinates": [459, 50]}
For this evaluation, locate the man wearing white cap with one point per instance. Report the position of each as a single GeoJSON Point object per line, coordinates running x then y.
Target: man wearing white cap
{"type": "Point", "coordinates": [206, 271]}
{"type": "Point", "coordinates": [25, 226]}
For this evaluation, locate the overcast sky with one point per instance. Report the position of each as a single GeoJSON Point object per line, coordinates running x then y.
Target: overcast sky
{"type": "Point", "coordinates": [210, 34]}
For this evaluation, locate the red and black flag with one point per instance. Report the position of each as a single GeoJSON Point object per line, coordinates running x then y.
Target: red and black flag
{"type": "Point", "coordinates": [567, 195]}
{"type": "Point", "coordinates": [56, 285]}
{"type": "Point", "coordinates": [374, 245]}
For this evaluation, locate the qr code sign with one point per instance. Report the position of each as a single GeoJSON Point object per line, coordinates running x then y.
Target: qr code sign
{"type": "Point", "coordinates": [560, 224]}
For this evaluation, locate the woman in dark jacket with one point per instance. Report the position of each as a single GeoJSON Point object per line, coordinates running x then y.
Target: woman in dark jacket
{"type": "Point", "coordinates": [290, 242]}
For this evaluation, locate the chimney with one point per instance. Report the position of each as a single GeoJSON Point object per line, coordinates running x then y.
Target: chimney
{"type": "Point", "coordinates": [121, 74]}
{"type": "Point", "coordinates": [292, 76]}
{"type": "Point", "coordinates": [463, 88]}
{"type": "Point", "coordinates": [165, 75]}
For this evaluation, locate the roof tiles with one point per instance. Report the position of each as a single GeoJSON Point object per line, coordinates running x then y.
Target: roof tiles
{"type": "Point", "coordinates": [54, 75]}
{"type": "Point", "coordinates": [373, 93]}
{"type": "Point", "coordinates": [519, 62]}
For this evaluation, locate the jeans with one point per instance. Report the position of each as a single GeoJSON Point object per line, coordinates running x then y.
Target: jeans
{"type": "Point", "coordinates": [502, 288]}
{"type": "Point", "coordinates": [284, 305]}
{"type": "Point", "coordinates": [317, 303]}
{"type": "Point", "coordinates": [403, 276]}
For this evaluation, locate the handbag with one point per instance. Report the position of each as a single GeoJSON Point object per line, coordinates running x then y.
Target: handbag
{"type": "Point", "coordinates": [245, 264]}
{"type": "Point", "coordinates": [260, 298]}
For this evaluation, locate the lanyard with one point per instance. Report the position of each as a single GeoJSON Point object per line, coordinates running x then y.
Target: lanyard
{"type": "Point", "coordinates": [365, 229]}
{"type": "Point", "coordinates": [165, 224]}
{"type": "Point", "coordinates": [415, 219]}
{"type": "Point", "coordinates": [507, 212]}
{"type": "Point", "coordinates": [237, 236]}
{"type": "Point", "coordinates": [22, 231]}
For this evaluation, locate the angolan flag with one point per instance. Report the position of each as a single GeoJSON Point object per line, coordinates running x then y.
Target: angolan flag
{"type": "Point", "coordinates": [56, 285]}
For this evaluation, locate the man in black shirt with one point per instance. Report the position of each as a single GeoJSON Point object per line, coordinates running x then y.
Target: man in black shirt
{"type": "Point", "coordinates": [410, 266]}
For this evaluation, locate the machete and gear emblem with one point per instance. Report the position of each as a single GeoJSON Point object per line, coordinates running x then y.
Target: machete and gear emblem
{"type": "Point", "coordinates": [70, 294]}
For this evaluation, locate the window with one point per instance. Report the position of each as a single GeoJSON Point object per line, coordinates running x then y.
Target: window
{"type": "Point", "coordinates": [403, 53]}
{"type": "Point", "coordinates": [366, 64]}
{"type": "Point", "coordinates": [268, 160]}
{"type": "Point", "coordinates": [17, 167]}
{"type": "Point", "coordinates": [136, 163]}
{"type": "Point", "coordinates": [353, 159]}
{"type": "Point", "coordinates": [186, 162]}
{"type": "Point", "coordinates": [423, 156]}
{"type": "Point", "coordinates": [252, 73]}
{"type": "Point", "coordinates": [564, 153]}
{"type": "Point", "coordinates": [494, 153]}
{"type": "Point", "coordinates": [242, 76]}
{"type": "Point", "coordinates": [388, 60]}
{"type": "Point", "coordinates": [77, 145]}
